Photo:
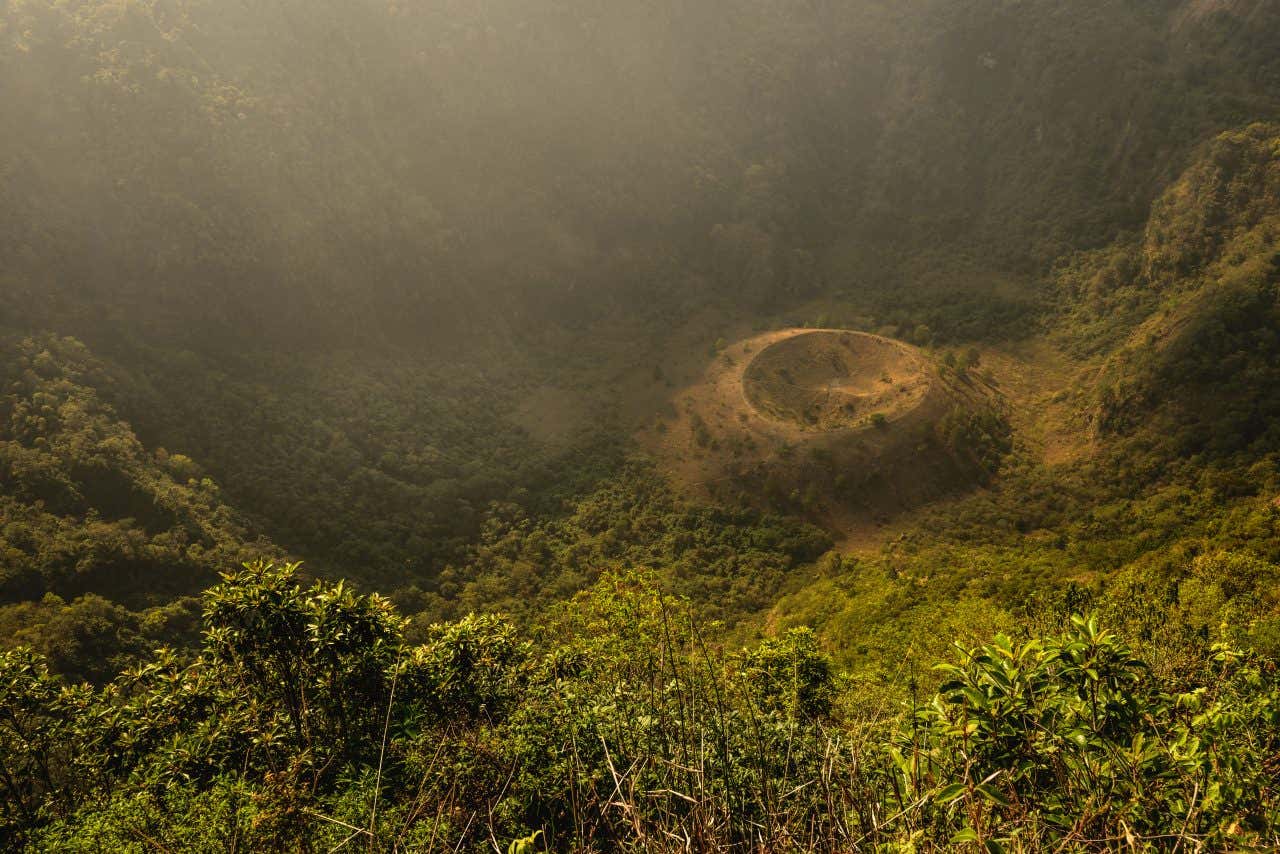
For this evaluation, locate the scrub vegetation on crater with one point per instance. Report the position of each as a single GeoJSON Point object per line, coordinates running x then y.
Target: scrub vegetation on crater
{"type": "Point", "coordinates": [843, 427]}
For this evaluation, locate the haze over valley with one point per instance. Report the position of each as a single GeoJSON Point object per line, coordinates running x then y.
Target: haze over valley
{"type": "Point", "coordinates": [574, 425]}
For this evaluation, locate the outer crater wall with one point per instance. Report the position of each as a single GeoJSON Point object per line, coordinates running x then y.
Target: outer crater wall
{"type": "Point", "coordinates": [829, 423]}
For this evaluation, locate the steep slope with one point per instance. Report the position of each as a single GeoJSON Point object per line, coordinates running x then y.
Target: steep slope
{"type": "Point", "coordinates": [1206, 362]}
{"type": "Point", "coordinates": [84, 507]}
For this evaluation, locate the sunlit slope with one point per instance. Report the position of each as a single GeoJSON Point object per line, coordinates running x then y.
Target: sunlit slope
{"type": "Point", "coordinates": [1162, 378]}
{"type": "Point", "coordinates": [1204, 362]}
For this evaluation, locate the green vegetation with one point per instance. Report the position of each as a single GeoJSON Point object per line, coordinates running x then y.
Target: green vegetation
{"type": "Point", "coordinates": [304, 720]}
{"type": "Point", "coordinates": [732, 563]}
{"type": "Point", "coordinates": [86, 508]}
{"type": "Point", "coordinates": [392, 289]}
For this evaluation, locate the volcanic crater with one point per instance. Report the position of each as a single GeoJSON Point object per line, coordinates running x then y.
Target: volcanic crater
{"type": "Point", "coordinates": [825, 380]}
{"type": "Point", "coordinates": [835, 424]}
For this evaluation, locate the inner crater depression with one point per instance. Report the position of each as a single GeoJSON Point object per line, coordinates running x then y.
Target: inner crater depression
{"type": "Point", "coordinates": [834, 380]}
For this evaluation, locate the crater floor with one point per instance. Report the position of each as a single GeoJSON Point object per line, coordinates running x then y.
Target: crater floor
{"type": "Point", "coordinates": [823, 380]}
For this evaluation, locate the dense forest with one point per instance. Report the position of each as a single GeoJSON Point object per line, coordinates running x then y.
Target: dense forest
{"type": "Point", "coordinates": [363, 364]}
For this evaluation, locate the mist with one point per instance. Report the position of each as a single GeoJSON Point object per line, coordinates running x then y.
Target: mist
{"type": "Point", "coordinates": [415, 171]}
{"type": "Point", "coordinates": [587, 425]}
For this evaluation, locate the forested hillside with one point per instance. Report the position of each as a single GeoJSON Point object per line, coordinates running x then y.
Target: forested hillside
{"type": "Point", "coordinates": [353, 168]}
{"type": "Point", "coordinates": [362, 458]}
